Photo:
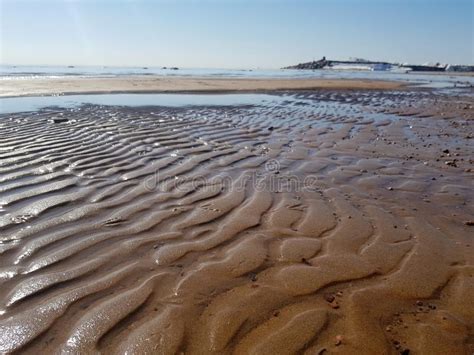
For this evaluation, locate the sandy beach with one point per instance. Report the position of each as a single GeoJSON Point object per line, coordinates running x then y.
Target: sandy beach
{"type": "Point", "coordinates": [236, 177]}
{"type": "Point", "coordinates": [155, 84]}
{"type": "Point", "coordinates": [324, 221]}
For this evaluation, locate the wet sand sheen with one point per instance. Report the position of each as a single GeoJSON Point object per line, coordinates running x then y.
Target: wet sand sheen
{"type": "Point", "coordinates": [331, 221]}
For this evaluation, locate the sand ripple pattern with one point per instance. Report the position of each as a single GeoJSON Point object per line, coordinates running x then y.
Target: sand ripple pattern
{"type": "Point", "coordinates": [323, 222]}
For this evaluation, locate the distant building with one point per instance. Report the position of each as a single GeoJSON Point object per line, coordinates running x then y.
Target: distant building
{"type": "Point", "coordinates": [381, 67]}
{"type": "Point", "coordinates": [460, 68]}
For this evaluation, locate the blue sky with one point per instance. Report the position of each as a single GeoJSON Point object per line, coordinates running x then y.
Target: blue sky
{"type": "Point", "coordinates": [233, 33]}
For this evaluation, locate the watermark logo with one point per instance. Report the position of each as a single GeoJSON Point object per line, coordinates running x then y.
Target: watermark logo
{"type": "Point", "coordinates": [271, 178]}
{"type": "Point", "coordinates": [272, 166]}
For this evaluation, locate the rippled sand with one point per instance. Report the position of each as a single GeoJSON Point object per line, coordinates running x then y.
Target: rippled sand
{"type": "Point", "coordinates": [330, 221]}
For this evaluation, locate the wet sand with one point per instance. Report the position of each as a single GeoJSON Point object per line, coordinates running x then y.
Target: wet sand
{"type": "Point", "coordinates": [156, 84]}
{"type": "Point", "coordinates": [333, 221]}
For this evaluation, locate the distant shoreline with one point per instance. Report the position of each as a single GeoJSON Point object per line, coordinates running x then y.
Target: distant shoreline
{"type": "Point", "coordinates": [445, 73]}
{"type": "Point", "coordinates": [159, 84]}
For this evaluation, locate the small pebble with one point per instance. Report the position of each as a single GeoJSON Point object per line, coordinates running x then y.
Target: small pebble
{"type": "Point", "coordinates": [329, 298]}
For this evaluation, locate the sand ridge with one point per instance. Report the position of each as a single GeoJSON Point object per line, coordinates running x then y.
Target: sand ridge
{"type": "Point", "coordinates": [335, 221]}
{"type": "Point", "coordinates": [156, 84]}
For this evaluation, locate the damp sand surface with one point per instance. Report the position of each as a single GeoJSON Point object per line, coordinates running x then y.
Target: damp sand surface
{"type": "Point", "coordinates": [327, 221]}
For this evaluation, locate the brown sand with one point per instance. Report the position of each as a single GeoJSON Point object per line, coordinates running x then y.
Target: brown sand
{"type": "Point", "coordinates": [143, 84]}
{"type": "Point", "coordinates": [116, 234]}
